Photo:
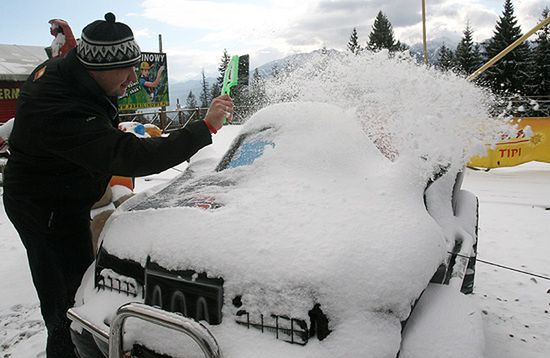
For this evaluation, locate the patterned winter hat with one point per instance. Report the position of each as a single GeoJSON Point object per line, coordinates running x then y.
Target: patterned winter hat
{"type": "Point", "coordinates": [106, 45]}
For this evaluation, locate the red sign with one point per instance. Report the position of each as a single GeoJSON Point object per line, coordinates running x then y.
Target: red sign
{"type": "Point", "coordinates": [9, 92]}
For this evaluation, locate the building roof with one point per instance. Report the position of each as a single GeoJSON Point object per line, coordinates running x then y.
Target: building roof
{"type": "Point", "coordinates": [17, 62]}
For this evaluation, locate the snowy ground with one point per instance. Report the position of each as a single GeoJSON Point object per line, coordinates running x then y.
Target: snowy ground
{"type": "Point", "coordinates": [514, 231]}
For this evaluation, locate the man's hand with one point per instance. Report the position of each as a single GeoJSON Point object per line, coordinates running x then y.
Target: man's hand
{"type": "Point", "coordinates": [220, 108]}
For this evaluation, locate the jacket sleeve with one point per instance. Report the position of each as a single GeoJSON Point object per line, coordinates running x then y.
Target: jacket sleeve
{"type": "Point", "coordinates": [94, 144]}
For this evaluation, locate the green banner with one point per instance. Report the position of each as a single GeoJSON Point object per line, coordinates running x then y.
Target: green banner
{"type": "Point", "coordinates": [151, 88]}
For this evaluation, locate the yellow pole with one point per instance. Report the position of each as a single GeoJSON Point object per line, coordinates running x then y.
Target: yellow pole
{"type": "Point", "coordinates": [504, 52]}
{"type": "Point", "coordinates": [424, 31]}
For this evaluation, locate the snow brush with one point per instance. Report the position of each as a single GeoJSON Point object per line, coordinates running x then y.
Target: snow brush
{"type": "Point", "coordinates": [235, 74]}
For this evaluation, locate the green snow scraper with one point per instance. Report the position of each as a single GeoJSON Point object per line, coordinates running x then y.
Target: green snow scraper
{"type": "Point", "coordinates": [235, 74]}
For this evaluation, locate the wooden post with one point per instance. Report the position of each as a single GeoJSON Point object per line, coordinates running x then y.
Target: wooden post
{"type": "Point", "coordinates": [162, 116]}
{"type": "Point", "coordinates": [424, 32]}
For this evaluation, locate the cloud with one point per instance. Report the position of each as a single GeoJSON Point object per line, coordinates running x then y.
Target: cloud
{"type": "Point", "coordinates": [142, 33]}
{"type": "Point", "coordinates": [271, 29]}
{"type": "Point", "coordinates": [452, 16]}
{"type": "Point", "coordinates": [529, 12]}
{"type": "Point", "coordinates": [185, 63]}
{"type": "Point", "coordinates": [212, 15]}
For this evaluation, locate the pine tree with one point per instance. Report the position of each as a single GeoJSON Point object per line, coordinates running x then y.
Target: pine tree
{"type": "Point", "coordinates": [257, 97]}
{"type": "Point", "coordinates": [205, 93]}
{"type": "Point", "coordinates": [191, 101]}
{"type": "Point", "coordinates": [353, 44]}
{"type": "Point", "coordinates": [276, 71]}
{"type": "Point", "coordinates": [400, 47]}
{"type": "Point", "coordinates": [223, 66]}
{"type": "Point", "coordinates": [381, 36]}
{"type": "Point", "coordinates": [510, 73]}
{"type": "Point", "coordinates": [467, 56]}
{"type": "Point", "coordinates": [445, 59]}
{"type": "Point", "coordinates": [539, 79]}
{"type": "Point", "coordinates": [540, 73]}
{"type": "Point", "coordinates": [215, 90]}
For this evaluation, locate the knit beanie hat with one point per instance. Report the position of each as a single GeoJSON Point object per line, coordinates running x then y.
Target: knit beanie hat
{"type": "Point", "coordinates": [105, 45]}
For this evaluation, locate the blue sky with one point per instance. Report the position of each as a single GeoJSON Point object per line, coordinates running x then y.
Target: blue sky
{"type": "Point", "coordinates": [195, 32]}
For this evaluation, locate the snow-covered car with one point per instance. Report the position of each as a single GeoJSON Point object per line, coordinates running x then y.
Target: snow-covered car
{"type": "Point", "coordinates": [304, 240]}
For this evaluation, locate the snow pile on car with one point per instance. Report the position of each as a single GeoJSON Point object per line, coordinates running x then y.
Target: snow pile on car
{"type": "Point", "coordinates": [321, 217]}
{"type": "Point", "coordinates": [409, 110]}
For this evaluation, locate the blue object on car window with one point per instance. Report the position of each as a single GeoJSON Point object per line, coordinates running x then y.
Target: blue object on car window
{"type": "Point", "coordinates": [248, 152]}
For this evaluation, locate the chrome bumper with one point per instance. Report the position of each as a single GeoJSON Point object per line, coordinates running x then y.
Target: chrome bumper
{"type": "Point", "coordinates": [114, 337]}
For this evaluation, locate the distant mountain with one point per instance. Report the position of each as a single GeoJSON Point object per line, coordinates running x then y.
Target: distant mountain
{"type": "Point", "coordinates": [181, 90]}
{"type": "Point", "coordinates": [267, 69]}
{"type": "Point", "coordinates": [416, 50]}
{"type": "Point", "coordinates": [433, 46]}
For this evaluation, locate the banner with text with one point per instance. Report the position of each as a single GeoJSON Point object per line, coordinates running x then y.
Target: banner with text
{"type": "Point", "coordinates": [9, 92]}
{"type": "Point", "coordinates": [151, 88]}
{"type": "Point", "coordinates": [532, 143]}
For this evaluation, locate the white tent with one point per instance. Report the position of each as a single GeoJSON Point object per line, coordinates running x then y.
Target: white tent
{"type": "Point", "coordinates": [17, 62]}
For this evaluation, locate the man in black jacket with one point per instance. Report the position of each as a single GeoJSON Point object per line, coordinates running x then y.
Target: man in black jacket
{"type": "Point", "coordinates": [65, 146]}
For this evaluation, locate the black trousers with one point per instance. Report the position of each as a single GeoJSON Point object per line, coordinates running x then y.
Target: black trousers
{"type": "Point", "coordinates": [59, 250]}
